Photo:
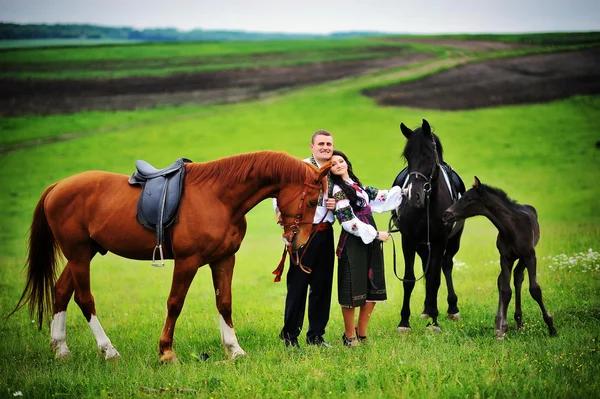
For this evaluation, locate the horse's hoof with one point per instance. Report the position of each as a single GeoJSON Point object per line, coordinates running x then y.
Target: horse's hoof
{"type": "Point", "coordinates": [237, 353]}
{"type": "Point", "coordinates": [454, 316]}
{"type": "Point", "coordinates": [553, 332]}
{"type": "Point", "coordinates": [111, 353]}
{"type": "Point", "coordinates": [168, 357]}
{"type": "Point", "coordinates": [424, 315]}
{"type": "Point", "coordinates": [433, 329]}
{"type": "Point", "coordinates": [404, 330]}
{"type": "Point", "coordinates": [63, 354]}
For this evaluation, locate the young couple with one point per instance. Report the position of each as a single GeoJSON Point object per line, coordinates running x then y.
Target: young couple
{"type": "Point", "coordinates": [361, 279]}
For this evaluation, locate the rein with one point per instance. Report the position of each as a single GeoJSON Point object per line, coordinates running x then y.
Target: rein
{"type": "Point", "coordinates": [294, 229]}
{"type": "Point", "coordinates": [427, 187]}
{"type": "Point", "coordinates": [391, 230]}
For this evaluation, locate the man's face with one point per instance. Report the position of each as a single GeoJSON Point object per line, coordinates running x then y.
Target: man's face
{"type": "Point", "coordinates": [322, 148]}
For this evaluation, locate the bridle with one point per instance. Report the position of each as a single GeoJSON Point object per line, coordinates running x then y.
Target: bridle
{"type": "Point", "coordinates": [294, 228]}
{"type": "Point", "coordinates": [427, 187]}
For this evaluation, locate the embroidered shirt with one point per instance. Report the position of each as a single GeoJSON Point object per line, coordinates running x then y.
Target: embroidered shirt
{"type": "Point", "coordinates": [378, 200]}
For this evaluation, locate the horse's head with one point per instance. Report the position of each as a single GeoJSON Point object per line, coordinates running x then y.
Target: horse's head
{"type": "Point", "coordinates": [469, 204]}
{"type": "Point", "coordinates": [423, 153]}
{"type": "Point", "coordinates": [298, 203]}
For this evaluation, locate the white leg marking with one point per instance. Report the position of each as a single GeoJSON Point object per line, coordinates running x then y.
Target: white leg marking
{"type": "Point", "coordinates": [58, 335]}
{"type": "Point", "coordinates": [229, 340]}
{"type": "Point", "coordinates": [104, 344]}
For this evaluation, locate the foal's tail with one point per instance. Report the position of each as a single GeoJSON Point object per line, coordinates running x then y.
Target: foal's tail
{"type": "Point", "coordinates": [41, 265]}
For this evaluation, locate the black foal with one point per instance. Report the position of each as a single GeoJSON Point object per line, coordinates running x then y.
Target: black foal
{"type": "Point", "coordinates": [518, 234]}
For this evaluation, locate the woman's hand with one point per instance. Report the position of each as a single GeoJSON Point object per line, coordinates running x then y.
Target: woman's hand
{"type": "Point", "coordinates": [383, 236]}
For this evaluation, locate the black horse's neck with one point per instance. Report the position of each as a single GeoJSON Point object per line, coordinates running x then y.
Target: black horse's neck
{"type": "Point", "coordinates": [500, 211]}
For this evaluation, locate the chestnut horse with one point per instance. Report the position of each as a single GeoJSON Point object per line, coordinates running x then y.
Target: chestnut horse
{"type": "Point", "coordinates": [95, 212]}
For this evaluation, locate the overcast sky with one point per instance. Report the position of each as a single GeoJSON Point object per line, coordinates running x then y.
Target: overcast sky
{"type": "Point", "coordinates": [314, 16]}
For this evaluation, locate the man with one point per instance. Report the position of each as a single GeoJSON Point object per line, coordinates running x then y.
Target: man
{"type": "Point", "coordinates": [318, 256]}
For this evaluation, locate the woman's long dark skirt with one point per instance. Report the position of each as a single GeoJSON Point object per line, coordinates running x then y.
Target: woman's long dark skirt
{"type": "Point", "coordinates": [361, 274]}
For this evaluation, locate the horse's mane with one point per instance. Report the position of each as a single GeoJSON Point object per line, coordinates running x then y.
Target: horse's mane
{"type": "Point", "coordinates": [499, 193]}
{"type": "Point", "coordinates": [235, 169]}
{"type": "Point", "coordinates": [421, 145]}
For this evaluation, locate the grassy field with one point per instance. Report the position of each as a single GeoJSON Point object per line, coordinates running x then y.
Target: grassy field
{"type": "Point", "coordinates": [167, 58]}
{"type": "Point", "coordinates": [115, 59]}
{"type": "Point", "coordinates": [544, 155]}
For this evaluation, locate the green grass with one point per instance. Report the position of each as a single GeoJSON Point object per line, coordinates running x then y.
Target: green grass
{"type": "Point", "coordinates": [159, 59]}
{"type": "Point", "coordinates": [113, 60]}
{"type": "Point", "coordinates": [541, 154]}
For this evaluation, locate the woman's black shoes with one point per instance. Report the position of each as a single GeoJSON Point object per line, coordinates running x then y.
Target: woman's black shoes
{"type": "Point", "coordinates": [350, 342]}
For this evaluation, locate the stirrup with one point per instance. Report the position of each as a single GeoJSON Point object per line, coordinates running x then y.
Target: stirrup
{"type": "Point", "coordinates": [162, 260]}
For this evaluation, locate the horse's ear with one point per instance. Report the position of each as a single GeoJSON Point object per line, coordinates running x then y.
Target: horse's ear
{"type": "Point", "coordinates": [324, 170]}
{"type": "Point", "coordinates": [406, 131]}
{"type": "Point", "coordinates": [426, 128]}
{"type": "Point", "coordinates": [476, 182]}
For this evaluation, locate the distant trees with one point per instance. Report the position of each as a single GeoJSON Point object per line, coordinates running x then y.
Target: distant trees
{"type": "Point", "coordinates": [10, 31]}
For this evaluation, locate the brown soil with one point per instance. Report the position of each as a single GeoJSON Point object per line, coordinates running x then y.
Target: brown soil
{"type": "Point", "coordinates": [506, 81]}
{"type": "Point", "coordinates": [36, 96]}
{"type": "Point", "coordinates": [522, 80]}
{"type": "Point", "coordinates": [470, 45]}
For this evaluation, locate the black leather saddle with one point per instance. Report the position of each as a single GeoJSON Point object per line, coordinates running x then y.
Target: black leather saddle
{"type": "Point", "coordinates": [456, 183]}
{"type": "Point", "coordinates": [160, 198]}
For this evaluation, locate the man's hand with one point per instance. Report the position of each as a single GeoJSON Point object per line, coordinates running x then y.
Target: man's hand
{"type": "Point", "coordinates": [330, 204]}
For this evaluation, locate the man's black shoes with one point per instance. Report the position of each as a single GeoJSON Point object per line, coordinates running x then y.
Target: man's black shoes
{"type": "Point", "coordinates": [318, 341]}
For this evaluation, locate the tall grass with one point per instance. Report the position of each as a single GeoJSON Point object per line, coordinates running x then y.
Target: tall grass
{"type": "Point", "coordinates": [541, 154]}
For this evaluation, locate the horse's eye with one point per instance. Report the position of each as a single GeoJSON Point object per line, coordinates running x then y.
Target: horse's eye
{"type": "Point", "coordinates": [313, 203]}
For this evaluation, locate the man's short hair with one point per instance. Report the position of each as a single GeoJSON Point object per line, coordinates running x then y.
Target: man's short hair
{"type": "Point", "coordinates": [319, 133]}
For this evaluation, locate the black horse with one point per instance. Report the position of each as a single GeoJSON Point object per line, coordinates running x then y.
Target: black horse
{"type": "Point", "coordinates": [431, 187]}
{"type": "Point", "coordinates": [518, 234]}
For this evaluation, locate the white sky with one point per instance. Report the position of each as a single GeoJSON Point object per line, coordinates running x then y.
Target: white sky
{"type": "Point", "coordinates": [314, 16]}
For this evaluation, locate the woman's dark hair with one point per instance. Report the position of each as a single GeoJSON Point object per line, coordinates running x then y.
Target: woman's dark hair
{"type": "Point", "coordinates": [355, 201]}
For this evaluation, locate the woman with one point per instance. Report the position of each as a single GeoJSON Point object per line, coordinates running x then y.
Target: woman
{"type": "Point", "coordinates": [361, 279]}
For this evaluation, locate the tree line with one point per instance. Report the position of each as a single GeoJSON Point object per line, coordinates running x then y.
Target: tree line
{"type": "Point", "coordinates": [11, 31]}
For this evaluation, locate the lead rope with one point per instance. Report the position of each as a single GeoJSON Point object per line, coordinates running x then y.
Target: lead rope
{"type": "Point", "coordinates": [391, 230]}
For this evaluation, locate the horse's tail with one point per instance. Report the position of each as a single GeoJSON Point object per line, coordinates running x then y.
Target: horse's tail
{"type": "Point", "coordinates": [41, 265]}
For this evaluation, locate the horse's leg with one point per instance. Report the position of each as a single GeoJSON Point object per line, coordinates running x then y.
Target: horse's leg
{"type": "Point", "coordinates": [222, 274]}
{"type": "Point", "coordinates": [432, 285]}
{"type": "Point", "coordinates": [447, 265]}
{"type": "Point", "coordinates": [504, 295]}
{"type": "Point", "coordinates": [423, 253]}
{"type": "Point", "coordinates": [408, 249]}
{"type": "Point", "coordinates": [536, 292]}
{"type": "Point", "coordinates": [79, 265]}
{"type": "Point", "coordinates": [518, 281]}
{"type": "Point", "coordinates": [63, 290]}
{"type": "Point", "coordinates": [183, 274]}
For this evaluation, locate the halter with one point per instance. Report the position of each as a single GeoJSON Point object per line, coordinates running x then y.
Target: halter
{"type": "Point", "coordinates": [295, 228]}
{"type": "Point", "coordinates": [427, 188]}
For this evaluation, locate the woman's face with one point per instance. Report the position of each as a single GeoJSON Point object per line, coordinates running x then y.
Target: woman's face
{"type": "Point", "coordinates": [339, 167]}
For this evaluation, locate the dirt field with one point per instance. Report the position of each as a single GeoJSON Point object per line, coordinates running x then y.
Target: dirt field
{"type": "Point", "coordinates": [523, 80]}
{"type": "Point", "coordinates": [46, 97]}
{"type": "Point", "coordinates": [508, 81]}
